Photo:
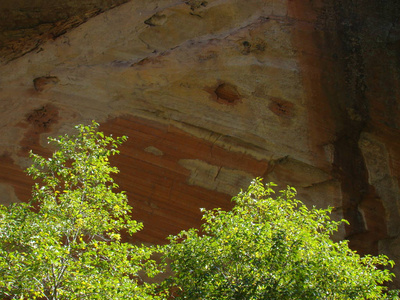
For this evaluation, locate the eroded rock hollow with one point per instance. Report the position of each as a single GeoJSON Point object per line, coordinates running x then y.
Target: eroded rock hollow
{"type": "Point", "coordinates": [212, 94]}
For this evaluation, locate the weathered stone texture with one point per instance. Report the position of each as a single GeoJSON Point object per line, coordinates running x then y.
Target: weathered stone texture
{"type": "Point", "coordinates": [26, 25]}
{"type": "Point", "coordinates": [213, 93]}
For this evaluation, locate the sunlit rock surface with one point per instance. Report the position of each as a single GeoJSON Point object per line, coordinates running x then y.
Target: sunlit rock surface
{"type": "Point", "coordinates": [212, 94]}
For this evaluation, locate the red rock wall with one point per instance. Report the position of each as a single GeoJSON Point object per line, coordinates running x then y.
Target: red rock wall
{"type": "Point", "coordinates": [170, 174]}
{"type": "Point", "coordinates": [212, 94]}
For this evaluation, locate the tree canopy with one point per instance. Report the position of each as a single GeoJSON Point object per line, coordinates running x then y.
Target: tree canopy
{"type": "Point", "coordinates": [65, 243]}
{"type": "Point", "coordinates": [270, 247]}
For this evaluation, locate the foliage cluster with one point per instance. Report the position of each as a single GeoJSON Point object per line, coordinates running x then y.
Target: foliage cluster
{"type": "Point", "coordinates": [272, 248]}
{"type": "Point", "coordinates": [66, 243]}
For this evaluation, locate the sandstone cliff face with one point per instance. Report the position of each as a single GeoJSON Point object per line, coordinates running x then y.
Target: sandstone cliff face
{"type": "Point", "coordinates": [212, 94]}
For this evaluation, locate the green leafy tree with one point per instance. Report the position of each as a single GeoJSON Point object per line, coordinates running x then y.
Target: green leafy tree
{"type": "Point", "coordinates": [272, 248]}
{"type": "Point", "coordinates": [65, 243]}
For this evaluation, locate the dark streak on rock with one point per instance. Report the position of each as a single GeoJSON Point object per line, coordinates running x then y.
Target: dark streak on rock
{"type": "Point", "coordinates": [367, 226]}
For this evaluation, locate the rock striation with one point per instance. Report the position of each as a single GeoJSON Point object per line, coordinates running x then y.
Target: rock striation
{"type": "Point", "coordinates": [212, 94]}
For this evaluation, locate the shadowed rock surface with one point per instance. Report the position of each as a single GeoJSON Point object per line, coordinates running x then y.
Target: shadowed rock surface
{"type": "Point", "coordinates": [211, 94]}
